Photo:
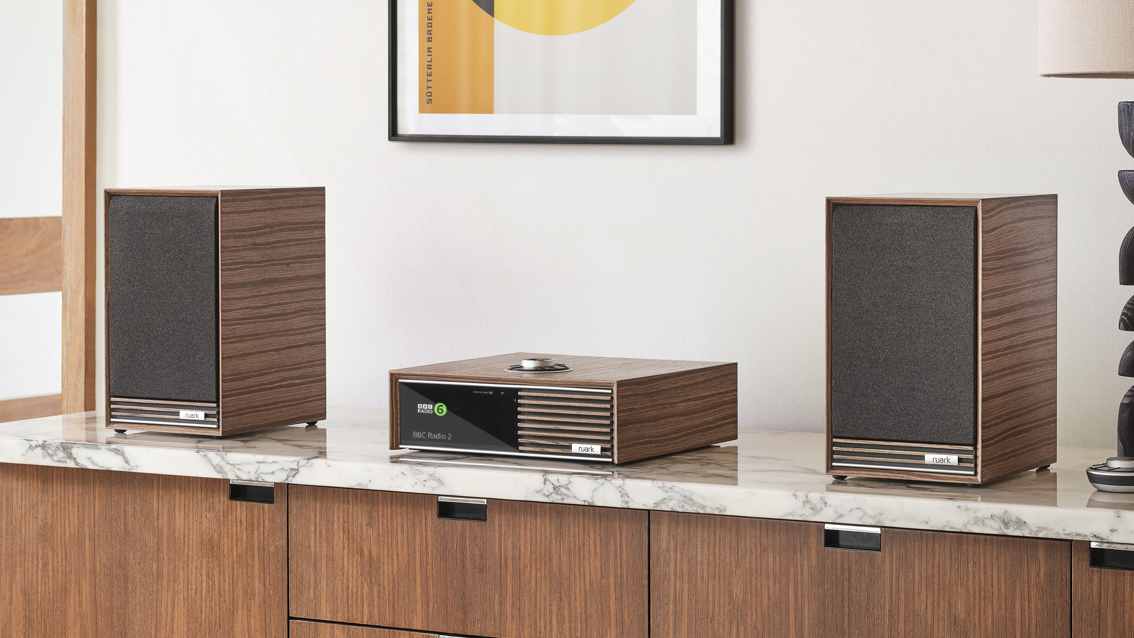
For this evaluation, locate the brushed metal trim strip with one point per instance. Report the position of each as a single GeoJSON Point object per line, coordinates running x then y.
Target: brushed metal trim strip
{"type": "Point", "coordinates": [1115, 546]}
{"type": "Point", "coordinates": [564, 457]}
{"type": "Point", "coordinates": [460, 499]}
{"type": "Point", "coordinates": [179, 424]}
{"type": "Point", "coordinates": [162, 401]}
{"type": "Point", "coordinates": [852, 528]}
{"type": "Point", "coordinates": [903, 469]}
{"type": "Point", "coordinates": [560, 388]}
{"type": "Point", "coordinates": [409, 458]}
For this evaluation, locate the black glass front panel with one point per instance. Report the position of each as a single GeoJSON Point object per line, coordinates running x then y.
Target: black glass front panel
{"type": "Point", "coordinates": [465, 417]}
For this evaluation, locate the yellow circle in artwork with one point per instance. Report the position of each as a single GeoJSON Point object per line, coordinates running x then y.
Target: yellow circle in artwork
{"type": "Point", "coordinates": [557, 17]}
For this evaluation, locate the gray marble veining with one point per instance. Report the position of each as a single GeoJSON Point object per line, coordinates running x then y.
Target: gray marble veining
{"type": "Point", "coordinates": [763, 474]}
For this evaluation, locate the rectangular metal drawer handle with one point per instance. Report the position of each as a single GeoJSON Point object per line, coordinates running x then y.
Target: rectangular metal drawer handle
{"type": "Point", "coordinates": [457, 499]}
{"type": "Point", "coordinates": [853, 528]}
{"type": "Point", "coordinates": [252, 492]}
{"type": "Point", "coordinates": [1114, 546]}
{"type": "Point", "coordinates": [462, 509]}
{"type": "Point", "coordinates": [855, 537]}
{"type": "Point", "coordinates": [1112, 556]}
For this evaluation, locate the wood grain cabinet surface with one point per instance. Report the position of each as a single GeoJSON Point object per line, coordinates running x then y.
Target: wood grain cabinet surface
{"type": "Point", "coordinates": [56, 573]}
{"type": "Point", "coordinates": [530, 570]}
{"type": "Point", "coordinates": [90, 553]}
{"type": "Point", "coordinates": [1102, 598]}
{"type": "Point", "coordinates": [722, 576]}
{"type": "Point", "coordinates": [198, 564]}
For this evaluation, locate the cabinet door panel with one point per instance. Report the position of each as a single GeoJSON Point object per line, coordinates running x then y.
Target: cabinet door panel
{"type": "Point", "coordinates": [57, 561]}
{"type": "Point", "coordinates": [530, 570]}
{"type": "Point", "coordinates": [200, 565]}
{"type": "Point", "coordinates": [853, 599]}
{"type": "Point", "coordinates": [100, 554]}
{"type": "Point", "coordinates": [948, 585]}
{"type": "Point", "coordinates": [730, 577]}
{"type": "Point", "coordinates": [1103, 599]}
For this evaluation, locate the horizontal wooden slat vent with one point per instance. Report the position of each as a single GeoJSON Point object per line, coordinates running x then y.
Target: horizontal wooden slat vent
{"type": "Point", "coordinates": [157, 412]}
{"type": "Point", "coordinates": [551, 421]}
{"type": "Point", "coordinates": [902, 456]}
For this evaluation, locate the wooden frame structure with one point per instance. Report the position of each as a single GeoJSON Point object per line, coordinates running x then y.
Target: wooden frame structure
{"type": "Point", "coordinates": [48, 254]}
{"type": "Point", "coordinates": [79, 236]}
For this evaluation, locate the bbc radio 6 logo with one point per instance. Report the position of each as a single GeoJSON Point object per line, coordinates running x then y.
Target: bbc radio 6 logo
{"type": "Point", "coordinates": [439, 409]}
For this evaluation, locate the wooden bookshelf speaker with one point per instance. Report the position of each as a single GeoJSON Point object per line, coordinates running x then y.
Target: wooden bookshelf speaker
{"type": "Point", "coordinates": [580, 408]}
{"type": "Point", "coordinates": [941, 315]}
{"type": "Point", "coordinates": [215, 309]}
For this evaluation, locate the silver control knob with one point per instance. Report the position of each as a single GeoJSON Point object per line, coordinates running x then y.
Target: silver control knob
{"type": "Point", "coordinates": [537, 363]}
{"type": "Point", "coordinates": [1120, 463]}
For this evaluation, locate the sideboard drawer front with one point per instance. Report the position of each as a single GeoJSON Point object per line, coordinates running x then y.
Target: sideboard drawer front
{"type": "Point", "coordinates": [494, 568]}
{"type": "Point", "coordinates": [1102, 585]}
{"type": "Point", "coordinates": [307, 629]}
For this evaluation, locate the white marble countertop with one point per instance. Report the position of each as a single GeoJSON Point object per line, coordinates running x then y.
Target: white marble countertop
{"type": "Point", "coordinates": [763, 474]}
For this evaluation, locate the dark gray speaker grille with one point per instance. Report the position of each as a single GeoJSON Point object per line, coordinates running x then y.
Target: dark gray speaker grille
{"type": "Point", "coordinates": [903, 323]}
{"type": "Point", "coordinates": [161, 282]}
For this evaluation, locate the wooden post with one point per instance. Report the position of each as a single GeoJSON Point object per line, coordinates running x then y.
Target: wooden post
{"type": "Point", "coordinates": [79, 202]}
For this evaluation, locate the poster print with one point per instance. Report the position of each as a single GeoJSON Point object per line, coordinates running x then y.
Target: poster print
{"type": "Point", "coordinates": [649, 71]}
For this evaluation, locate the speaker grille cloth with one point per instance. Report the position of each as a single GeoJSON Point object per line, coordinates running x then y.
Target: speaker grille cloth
{"type": "Point", "coordinates": [161, 297]}
{"type": "Point", "coordinates": [903, 323]}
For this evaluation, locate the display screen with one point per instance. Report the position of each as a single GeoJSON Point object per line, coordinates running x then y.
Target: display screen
{"type": "Point", "coordinates": [467, 417]}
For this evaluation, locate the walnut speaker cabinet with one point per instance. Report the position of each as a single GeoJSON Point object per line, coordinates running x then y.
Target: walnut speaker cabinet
{"type": "Point", "coordinates": [215, 309]}
{"type": "Point", "coordinates": [578, 408]}
{"type": "Point", "coordinates": [941, 317]}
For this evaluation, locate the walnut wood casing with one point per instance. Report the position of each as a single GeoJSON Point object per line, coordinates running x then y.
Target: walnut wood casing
{"type": "Point", "coordinates": [272, 308]}
{"type": "Point", "coordinates": [273, 326]}
{"type": "Point", "coordinates": [1015, 333]}
{"type": "Point", "coordinates": [90, 553]}
{"type": "Point", "coordinates": [307, 629]}
{"type": "Point", "coordinates": [660, 407]}
{"type": "Point", "coordinates": [731, 577]}
{"type": "Point", "coordinates": [530, 570]}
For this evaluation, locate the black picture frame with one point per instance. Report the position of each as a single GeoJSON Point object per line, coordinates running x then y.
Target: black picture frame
{"type": "Point", "coordinates": [727, 98]}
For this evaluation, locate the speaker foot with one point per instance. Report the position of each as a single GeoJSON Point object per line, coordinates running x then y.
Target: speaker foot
{"type": "Point", "coordinates": [1043, 467]}
{"type": "Point", "coordinates": [973, 485]}
{"type": "Point", "coordinates": [839, 477]}
{"type": "Point", "coordinates": [311, 424]}
{"type": "Point", "coordinates": [121, 431]}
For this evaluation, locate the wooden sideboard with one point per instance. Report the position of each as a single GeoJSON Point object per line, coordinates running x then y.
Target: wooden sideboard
{"type": "Point", "coordinates": [90, 553]}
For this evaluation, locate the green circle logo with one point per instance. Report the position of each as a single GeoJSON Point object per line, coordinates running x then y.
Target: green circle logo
{"type": "Point", "coordinates": [440, 409]}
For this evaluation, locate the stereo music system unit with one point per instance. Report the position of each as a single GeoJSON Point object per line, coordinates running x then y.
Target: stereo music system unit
{"type": "Point", "coordinates": [941, 336]}
{"type": "Point", "coordinates": [215, 309]}
{"type": "Point", "coordinates": [580, 408]}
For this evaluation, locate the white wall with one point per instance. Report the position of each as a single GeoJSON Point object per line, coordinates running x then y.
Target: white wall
{"type": "Point", "coordinates": [668, 252]}
{"type": "Point", "coordinates": [31, 158]}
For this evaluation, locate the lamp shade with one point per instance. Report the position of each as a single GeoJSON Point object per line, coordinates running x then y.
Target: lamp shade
{"type": "Point", "coordinates": [1086, 38]}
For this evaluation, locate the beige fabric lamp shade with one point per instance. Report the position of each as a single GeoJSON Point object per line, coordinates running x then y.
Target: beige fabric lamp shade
{"type": "Point", "coordinates": [1086, 38]}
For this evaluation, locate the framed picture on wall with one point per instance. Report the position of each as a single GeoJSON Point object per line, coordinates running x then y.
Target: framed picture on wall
{"type": "Point", "coordinates": [568, 71]}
